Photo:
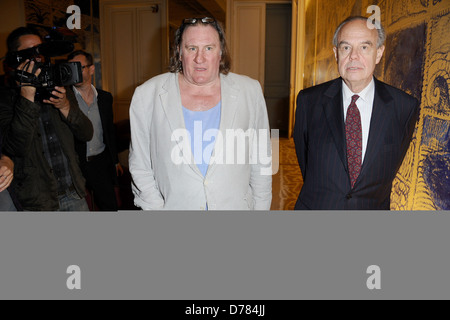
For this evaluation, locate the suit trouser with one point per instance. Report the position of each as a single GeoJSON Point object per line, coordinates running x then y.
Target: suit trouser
{"type": "Point", "coordinates": [100, 181]}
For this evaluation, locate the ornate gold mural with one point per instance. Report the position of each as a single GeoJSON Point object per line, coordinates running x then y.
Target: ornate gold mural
{"type": "Point", "coordinates": [416, 60]}
{"type": "Point", "coordinates": [423, 181]}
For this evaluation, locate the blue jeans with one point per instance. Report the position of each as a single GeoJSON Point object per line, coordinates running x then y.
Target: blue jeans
{"type": "Point", "coordinates": [6, 203]}
{"type": "Point", "coordinates": [72, 202]}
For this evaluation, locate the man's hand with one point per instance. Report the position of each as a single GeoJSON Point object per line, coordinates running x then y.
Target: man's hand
{"type": "Point", "coordinates": [6, 172]}
{"type": "Point", "coordinates": [28, 92]}
{"type": "Point", "coordinates": [60, 100]}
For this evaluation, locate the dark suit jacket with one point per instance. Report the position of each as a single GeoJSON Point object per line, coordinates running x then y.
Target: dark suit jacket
{"type": "Point", "coordinates": [319, 136]}
{"type": "Point", "coordinates": [105, 101]}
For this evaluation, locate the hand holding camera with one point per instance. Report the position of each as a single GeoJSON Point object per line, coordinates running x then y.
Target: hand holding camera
{"type": "Point", "coordinates": [28, 91]}
{"type": "Point", "coordinates": [43, 81]}
{"type": "Point", "coordinates": [59, 100]}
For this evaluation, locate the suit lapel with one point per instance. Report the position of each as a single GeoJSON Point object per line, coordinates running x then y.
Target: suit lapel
{"type": "Point", "coordinates": [334, 113]}
{"type": "Point", "coordinates": [172, 106]}
{"type": "Point", "coordinates": [229, 91]}
{"type": "Point", "coordinates": [382, 110]}
{"type": "Point", "coordinates": [102, 112]}
{"type": "Point", "coordinates": [101, 108]}
{"type": "Point", "coordinates": [229, 96]}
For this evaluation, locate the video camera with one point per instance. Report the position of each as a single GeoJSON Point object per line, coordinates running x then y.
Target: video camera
{"type": "Point", "coordinates": [52, 75]}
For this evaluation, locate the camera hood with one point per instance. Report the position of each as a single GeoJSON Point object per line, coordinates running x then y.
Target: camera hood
{"type": "Point", "coordinates": [47, 49]}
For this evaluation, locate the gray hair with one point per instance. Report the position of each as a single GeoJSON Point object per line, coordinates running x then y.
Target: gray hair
{"type": "Point", "coordinates": [378, 26]}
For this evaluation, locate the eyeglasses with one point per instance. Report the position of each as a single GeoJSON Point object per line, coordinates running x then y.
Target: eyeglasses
{"type": "Point", "coordinates": [206, 20]}
{"type": "Point", "coordinates": [86, 66]}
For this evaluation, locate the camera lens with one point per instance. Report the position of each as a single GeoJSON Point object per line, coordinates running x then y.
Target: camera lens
{"type": "Point", "coordinates": [65, 73]}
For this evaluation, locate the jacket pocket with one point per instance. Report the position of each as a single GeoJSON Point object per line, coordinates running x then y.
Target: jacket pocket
{"type": "Point", "coordinates": [26, 186]}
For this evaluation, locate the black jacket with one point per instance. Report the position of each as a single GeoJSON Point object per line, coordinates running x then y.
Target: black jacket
{"type": "Point", "coordinates": [319, 136]}
{"type": "Point", "coordinates": [104, 101]}
{"type": "Point", "coordinates": [34, 183]}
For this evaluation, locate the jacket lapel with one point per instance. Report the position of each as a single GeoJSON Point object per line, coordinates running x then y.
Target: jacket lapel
{"type": "Point", "coordinates": [229, 92]}
{"type": "Point", "coordinates": [102, 112]}
{"type": "Point", "coordinates": [172, 106]}
{"type": "Point", "coordinates": [382, 110]}
{"type": "Point", "coordinates": [334, 113]}
{"type": "Point", "coordinates": [229, 96]}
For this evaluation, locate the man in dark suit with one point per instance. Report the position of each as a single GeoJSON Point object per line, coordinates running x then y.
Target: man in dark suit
{"type": "Point", "coordinates": [352, 133]}
{"type": "Point", "coordinates": [98, 158]}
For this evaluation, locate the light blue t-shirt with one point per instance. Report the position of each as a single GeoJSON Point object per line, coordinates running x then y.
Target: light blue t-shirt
{"type": "Point", "coordinates": [203, 127]}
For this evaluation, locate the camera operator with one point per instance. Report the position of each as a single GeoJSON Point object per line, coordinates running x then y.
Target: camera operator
{"type": "Point", "coordinates": [40, 139]}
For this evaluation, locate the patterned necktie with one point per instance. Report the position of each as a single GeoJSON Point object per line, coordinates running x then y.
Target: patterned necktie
{"type": "Point", "coordinates": [353, 134]}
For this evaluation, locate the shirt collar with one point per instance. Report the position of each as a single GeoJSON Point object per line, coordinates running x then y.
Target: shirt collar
{"type": "Point", "coordinates": [363, 95]}
{"type": "Point", "coordinates": [93, 88]}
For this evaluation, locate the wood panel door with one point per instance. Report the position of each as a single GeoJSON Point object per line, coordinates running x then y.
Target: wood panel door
{"type": "Point", "coordinates": [134, 38]}
{"type": "Point", "coordinates": [248, 38]}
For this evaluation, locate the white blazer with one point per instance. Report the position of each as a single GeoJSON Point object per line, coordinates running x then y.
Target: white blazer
{"type": "Point", "coordinates": [164, 174]}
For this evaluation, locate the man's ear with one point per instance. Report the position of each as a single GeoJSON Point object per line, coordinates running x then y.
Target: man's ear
{"type": "Point", "coordinates": [380, 52]}
{"type": "Point", "coordinates": [335, 53]}
{"type": "Point", "coordinates": [92, 69]}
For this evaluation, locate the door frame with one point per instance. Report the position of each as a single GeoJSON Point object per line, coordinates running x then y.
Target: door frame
{"type": "Point", "coordinates": [297, 45]}
{"type": "Point", "coordinates": [107, 50]}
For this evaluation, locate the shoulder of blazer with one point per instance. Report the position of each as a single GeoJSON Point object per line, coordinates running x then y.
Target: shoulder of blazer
{"type": "Point", "coordinates": [240, 82]}
{"type": "Point", "coordinates": [321, 94]}
{"type": "Point", "coordinates": [103, 93]}
{"type": "Point", "coordinates": [388, 92]}
{"type": "Point", "coordinates": [153, 87]}
{"type": "Point", "coordinates": [164, 81]}
{"type": "Point", "coordinates": [329, 88]}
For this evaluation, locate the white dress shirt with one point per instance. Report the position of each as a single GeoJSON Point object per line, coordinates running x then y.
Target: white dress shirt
{"type": "Point", "coordinates": [365, 106]}
{"type": "Point", "coordinates": [96, 145]}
